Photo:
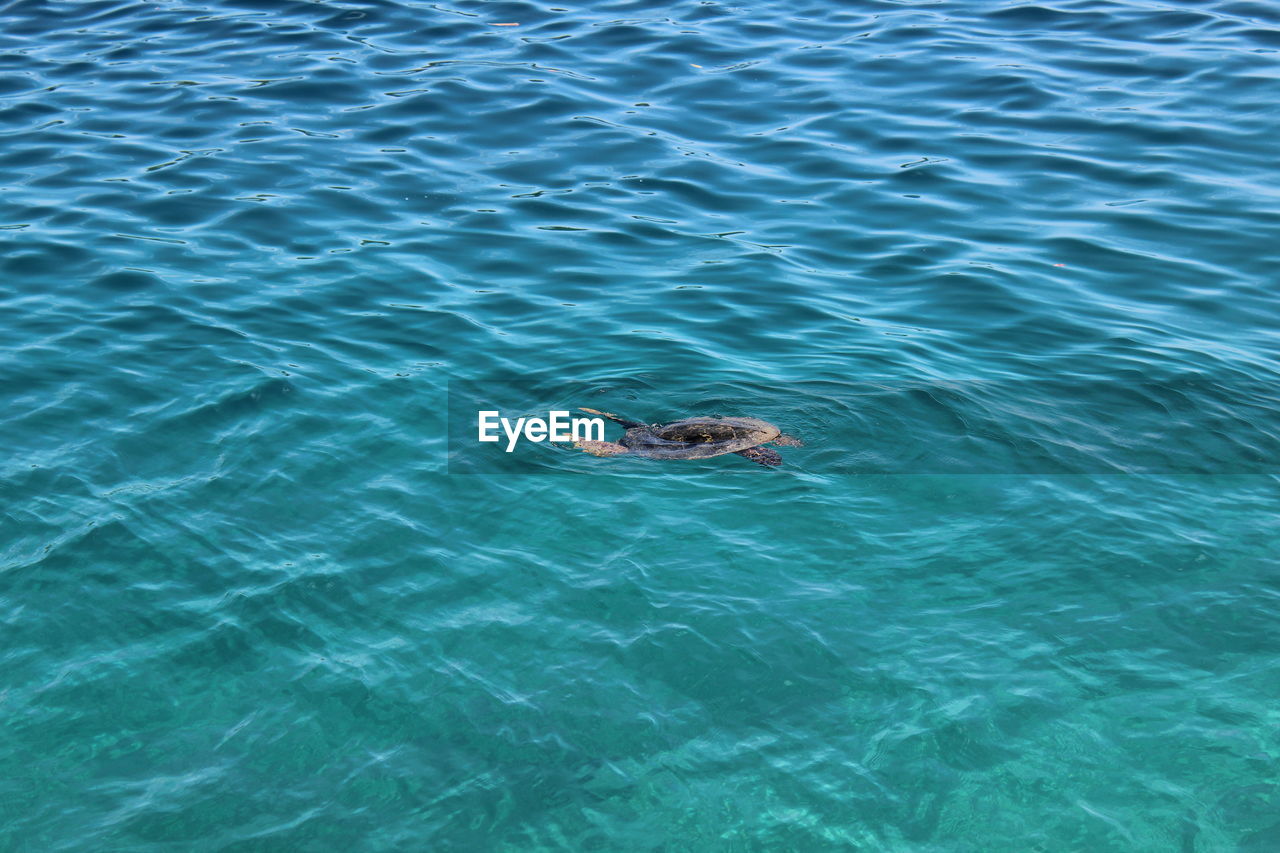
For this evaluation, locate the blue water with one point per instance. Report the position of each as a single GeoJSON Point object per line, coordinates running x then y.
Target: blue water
{"type": "Point", "coordinates": [1017, 592]}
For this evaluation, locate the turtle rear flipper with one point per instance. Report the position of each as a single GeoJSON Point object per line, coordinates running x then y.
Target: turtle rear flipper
{"type": "Point", "coordinates": [766, 456]}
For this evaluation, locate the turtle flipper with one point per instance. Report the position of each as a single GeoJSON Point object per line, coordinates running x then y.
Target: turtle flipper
{"type": "Point", "coordinates": [785, 440]}
{"type": "Point", "coordinates": [766, 456]}
{"type": "Point", "coordinates": [626, 422]}
{"type": "Point", "coordinates": [600, 448]}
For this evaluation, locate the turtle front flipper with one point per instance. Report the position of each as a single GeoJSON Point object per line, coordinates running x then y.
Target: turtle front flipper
{"type": "Point", "coordinates": [785, 440]}
{"type": "Point", "coordinates": [766, 456]}
{"type": "Point", "coordinates": [600, 448]}
{"type": "Point", "coordinates": [626, 422]}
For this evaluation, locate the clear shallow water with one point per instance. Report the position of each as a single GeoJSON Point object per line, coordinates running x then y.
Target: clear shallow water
{"type": "Point", "coordinates": [250, 605]}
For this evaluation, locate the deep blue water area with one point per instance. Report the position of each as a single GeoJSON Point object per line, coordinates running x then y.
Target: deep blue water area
{"type": "Point", "coordinates": [1007, 268]}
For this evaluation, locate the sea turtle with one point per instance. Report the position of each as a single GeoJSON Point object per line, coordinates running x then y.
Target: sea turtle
{"type": "Point", "coordinates": [694, 438]}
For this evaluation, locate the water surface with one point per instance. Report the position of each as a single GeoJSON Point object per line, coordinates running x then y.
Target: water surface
{"type": "Point", "coordinates": [250, 604]}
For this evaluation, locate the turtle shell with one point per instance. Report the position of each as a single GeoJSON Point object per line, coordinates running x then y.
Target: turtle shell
{"type": "Point", "coordinates": [698, 438]}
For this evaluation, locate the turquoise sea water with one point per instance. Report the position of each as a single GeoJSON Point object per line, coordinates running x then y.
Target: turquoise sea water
{"type": "Point", "coordinates": [1018, 592]}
